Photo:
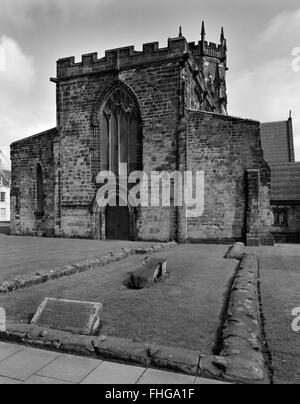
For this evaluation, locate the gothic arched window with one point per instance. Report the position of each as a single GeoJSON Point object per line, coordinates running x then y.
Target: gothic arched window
{"type": "Point", "coordinates": [119, 134]}
{"type": "Point", "coordinates": [40, 190]}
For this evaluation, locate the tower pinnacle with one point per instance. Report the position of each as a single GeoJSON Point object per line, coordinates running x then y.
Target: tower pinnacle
{"type": "Point", "coordinates": [222, 36]}
{"type": "Point", "coordinates": [203, 33]}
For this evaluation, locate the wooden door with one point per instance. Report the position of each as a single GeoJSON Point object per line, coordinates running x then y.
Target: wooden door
{"type": "Point", "coordinates": [117, 223]}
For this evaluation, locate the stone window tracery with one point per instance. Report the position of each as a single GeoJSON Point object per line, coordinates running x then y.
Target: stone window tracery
{"type": "Point", "coordinates": [119, 134]}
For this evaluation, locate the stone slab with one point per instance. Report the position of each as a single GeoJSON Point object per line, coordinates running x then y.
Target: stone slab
{"type": "Point", "coordinates": [70, 368]}
{"type": "Point", "coordinates": [69, 315]}
{"type": "Point", "coordinates": [7, 350]}
{"type": "Point", "coordinates": [4, 381]}
{"type": "Point", "coordinates": [153, 270]}
{"type": "Point", "coordinates": [114, 373]}
{"type": "Point", "coordinates": [39, 380]}
{"type": "Point", "coordinates": [153, 376]}
{"type": "Point", "coordinates": [26, 363]}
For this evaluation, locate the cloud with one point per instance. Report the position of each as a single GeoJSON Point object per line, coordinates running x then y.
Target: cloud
{"type": "Point", "coordinates": [17, 68]}
{"type": "Point", "coordinates": [269, 87]}
{"type": "Point", "coordinates": [23, 13]}
{"type": "Point", "coordinates": [18, 115]}
{"type": "Point", "coordinates": [284, 26]}
{"type": "Point", "coordinates": [268, 93]}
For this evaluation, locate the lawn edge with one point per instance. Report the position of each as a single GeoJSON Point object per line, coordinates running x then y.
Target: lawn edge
{"type": "Point", "coordinates": [241, 361]}
{"type": "Point", "coordinates": [26, 281]}
{"type": "Point", "coordinates": [243, 343]}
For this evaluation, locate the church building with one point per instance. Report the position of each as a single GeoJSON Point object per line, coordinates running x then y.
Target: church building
{"type": "Point", "coordinates": [154, 110]}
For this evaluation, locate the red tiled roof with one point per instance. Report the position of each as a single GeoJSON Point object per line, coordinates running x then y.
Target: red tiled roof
{"type": "Point", "coordinates": [6, 177]}
{"type": "Point", "coordinates": [278, 142]}
{"type": "Point", "coordinates": [285, 182]}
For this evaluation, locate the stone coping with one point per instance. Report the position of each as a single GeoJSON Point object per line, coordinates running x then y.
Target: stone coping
{"type": "Point", "coordinates": [242, 335]}
{"type": "Point", "coordinates": [115, 349]}
{"type": "Point", "coordinates": [26, 281]}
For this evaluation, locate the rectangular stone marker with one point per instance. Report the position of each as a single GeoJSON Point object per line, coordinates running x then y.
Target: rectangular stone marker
{"type": "Point", "coordinates": [69, 315]}
{"type": "Point", "coordinates": [2, 320]}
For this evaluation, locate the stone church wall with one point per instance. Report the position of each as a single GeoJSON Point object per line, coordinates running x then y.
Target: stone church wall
{"type": "Point", "coordinates": [170, 87]}
{"type": "Point", "coordinates": [155, 86]}
{"type": "Point", "coordinates": [225, 148]}
{"type": "Point", "coordinates": [26, 155]}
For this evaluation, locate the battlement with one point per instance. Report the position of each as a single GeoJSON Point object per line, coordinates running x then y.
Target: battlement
{"type": "Point", "coordinates": [207, 49]}
{"type": "Point", "coordinates": [121, 58]}
{"type": "Point", "coordinates": [127, 57]}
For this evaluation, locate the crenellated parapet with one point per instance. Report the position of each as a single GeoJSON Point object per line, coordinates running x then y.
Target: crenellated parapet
{"type": "Point", "coordinates": [128, 57]}
{"type": "Point", "coordinates": [122, 58]}
{"type": "Point", "coordinates": [207, 49]}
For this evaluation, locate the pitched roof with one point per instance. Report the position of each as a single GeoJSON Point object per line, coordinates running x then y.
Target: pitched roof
{"type": "Point", "coordinates": [49, 132]}
{"type": "Point", "coordinates": [278, 142]}
{"type": "Point", "coordinates": [4, 160]}
{"type": "Point", "coordinates": [285, 182]}
{"type": "Point", "coordinates": [6, 177]}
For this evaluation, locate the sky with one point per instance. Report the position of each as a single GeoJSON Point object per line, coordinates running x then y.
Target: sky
{"type": "Point", "coordinates": [263, 43]}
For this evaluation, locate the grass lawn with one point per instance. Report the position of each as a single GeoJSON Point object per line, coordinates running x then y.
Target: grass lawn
{"type": "Point", "coordinates": [280, 288]}
{"type": "Point", "coordinates": [183, 311]}
{"type": "Point", "coordinates": [25, 255]}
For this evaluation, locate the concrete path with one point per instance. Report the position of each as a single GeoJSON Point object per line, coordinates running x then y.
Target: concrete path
{"type": "Point", "coordinates": [22, 365]}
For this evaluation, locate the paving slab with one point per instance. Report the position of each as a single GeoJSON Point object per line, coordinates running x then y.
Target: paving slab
{"type": "Point", "coordinates": [7, 350]}
{"type": "Point", "coordinates": [44, 380]}
{"type": "Point", "coordinates": [70, 368]}
{"type": "Point", "coordinates": [152, 376]}
{"type": "Point", "coordinates": [26, 363]}
{"type": "Point", "coordinates": [114, 373]}
{"type": "Point", "coordinates": [33, 366]}
{"type": "Point", "coordinates": [4, 380]}
{"type": "Point", "coordinates": [208, 381]}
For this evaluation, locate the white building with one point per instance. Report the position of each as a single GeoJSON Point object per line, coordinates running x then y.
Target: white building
{"type": "Point", "coordinates": [5, 182]}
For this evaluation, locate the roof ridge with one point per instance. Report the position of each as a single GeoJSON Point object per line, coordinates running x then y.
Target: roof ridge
{"type": "Point", "coordinates": [290, 163]}
{"type": "Point", "coordinates": [3, 172]}
{"type": "Point", "coordinates": [45, 132]}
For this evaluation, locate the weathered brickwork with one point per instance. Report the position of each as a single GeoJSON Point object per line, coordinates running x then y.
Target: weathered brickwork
{"type": "Point", "coordinates": [26, 155]}
{"type": "Point", "coordinates": [225, 148]}
{"type": "Point", "coordinates": [168, 87]}
{"type": "Point", "coordinates": [259, 215]}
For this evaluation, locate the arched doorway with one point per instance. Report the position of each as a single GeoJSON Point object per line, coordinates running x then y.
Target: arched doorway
{"type": "Point", "coordinates": [117, 223]}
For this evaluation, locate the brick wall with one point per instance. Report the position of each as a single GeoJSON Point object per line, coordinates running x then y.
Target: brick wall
{"type": "Point", "coordinates": [291, 232]}
{"type": "Point", "coordinates": [26, 155]}
{"type": "Point", "coordinates": [168, 85]}
{"type": "Point", "coordinates": [224, 148]}
{"type": "Point", "coordinates": [155, 87]}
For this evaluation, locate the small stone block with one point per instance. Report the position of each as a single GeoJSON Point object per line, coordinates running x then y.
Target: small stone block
{"type": "Point", "coordinates": [153, 270]}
